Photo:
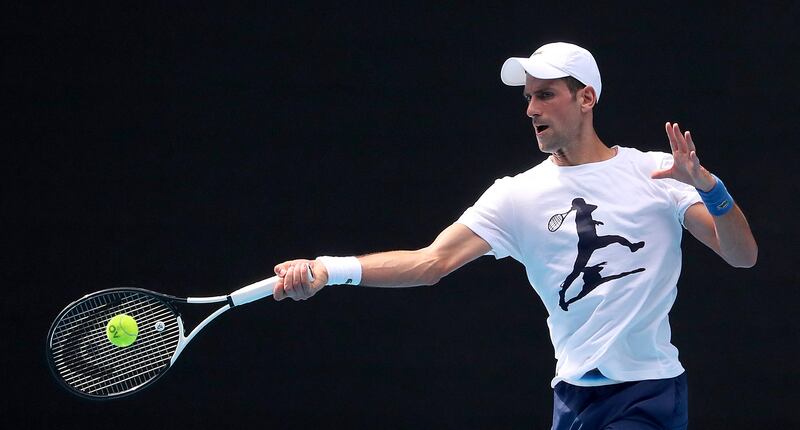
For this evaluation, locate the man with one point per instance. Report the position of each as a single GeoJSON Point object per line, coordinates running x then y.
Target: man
{"type": "Point", "coordinates": [616, 366]}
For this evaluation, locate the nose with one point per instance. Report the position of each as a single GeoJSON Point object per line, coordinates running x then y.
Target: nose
{"type": "Point", "coordinates": [533, 109]}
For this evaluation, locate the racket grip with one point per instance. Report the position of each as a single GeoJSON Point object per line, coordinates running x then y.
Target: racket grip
{"type": "Point", "coordinates": [254, 291]}
{"type": "Point", "coordinates": [260, 289]}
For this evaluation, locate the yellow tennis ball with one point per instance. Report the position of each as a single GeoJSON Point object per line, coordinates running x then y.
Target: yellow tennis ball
{"type": "Point", "coordinates": [122, 330]}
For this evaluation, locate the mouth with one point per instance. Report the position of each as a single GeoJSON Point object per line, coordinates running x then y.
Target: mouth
{"type": "Point", "coordinates": [540, 128]}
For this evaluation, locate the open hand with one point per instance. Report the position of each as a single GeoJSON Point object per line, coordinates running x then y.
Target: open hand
{"type": "Point", "coordinates": [686, 166]}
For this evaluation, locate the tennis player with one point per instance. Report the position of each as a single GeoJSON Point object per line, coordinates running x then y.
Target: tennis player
{"type": "Point", "coordinates": [607, 274]}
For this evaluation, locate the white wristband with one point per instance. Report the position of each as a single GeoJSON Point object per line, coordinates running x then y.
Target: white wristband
{"type": "Point", "coordinates": [342, 270]}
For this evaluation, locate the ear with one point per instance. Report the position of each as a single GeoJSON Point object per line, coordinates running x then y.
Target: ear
{"type": "Point", "coordinates": [587, 97]}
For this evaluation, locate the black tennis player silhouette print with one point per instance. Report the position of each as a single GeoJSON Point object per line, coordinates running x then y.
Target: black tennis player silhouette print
{"type": "Point", "coordinates": [588, 243]}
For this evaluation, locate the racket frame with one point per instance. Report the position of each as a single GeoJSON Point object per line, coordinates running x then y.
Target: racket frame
{"type": "Point", "coordinates": [168, 300]}
{"type": "Point", "coordinates": [560, 217]}
{"type": "Point", "coordinates": [246, 294]}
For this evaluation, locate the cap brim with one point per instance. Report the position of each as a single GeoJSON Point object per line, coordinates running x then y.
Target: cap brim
{"type": "Point", "coordinates": [513, 71]}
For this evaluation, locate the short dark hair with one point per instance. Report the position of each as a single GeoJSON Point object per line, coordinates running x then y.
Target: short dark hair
{"type": "Point", "coordinates": [573, 84]}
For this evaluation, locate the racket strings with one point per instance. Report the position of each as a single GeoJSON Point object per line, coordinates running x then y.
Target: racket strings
{"type": "Point", "coordinates": [555, 222]}
{"type": "Point", "coordinates": [99, 331]}
{"type": "Point", "coordinates": [85, 359]}
{"type": "Point", "coordinates": [133, 377]}
{"type": "Point", "coordinates": [96, 367]}
{"type": "Point", "coordinates": [86, 317]}
{"type": "Point", "coordinates": [85, 370]}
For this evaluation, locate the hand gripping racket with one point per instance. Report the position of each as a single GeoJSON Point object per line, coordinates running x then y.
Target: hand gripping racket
{"type": "Point", "coordinates": [83, 359]}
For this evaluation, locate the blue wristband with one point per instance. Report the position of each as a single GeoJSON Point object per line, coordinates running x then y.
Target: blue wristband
{"type": "Point", "coordinates": [717, 200]}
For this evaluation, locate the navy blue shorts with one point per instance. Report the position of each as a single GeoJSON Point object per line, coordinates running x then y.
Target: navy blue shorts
{"type": "Point", "coordinates": [656, 404]}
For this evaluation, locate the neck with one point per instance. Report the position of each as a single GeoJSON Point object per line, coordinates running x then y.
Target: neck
{"type": "Point", "coordinates": [588, 150]}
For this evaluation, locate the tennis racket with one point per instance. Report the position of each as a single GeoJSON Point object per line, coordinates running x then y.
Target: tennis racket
{"type": "Point", "coordinates": [556, 220]}
{"type": "Point", "coordinates": [84, 361]}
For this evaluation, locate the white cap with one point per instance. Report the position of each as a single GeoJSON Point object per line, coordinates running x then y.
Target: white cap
{"type": "Point", "coordinates": [552, 61]}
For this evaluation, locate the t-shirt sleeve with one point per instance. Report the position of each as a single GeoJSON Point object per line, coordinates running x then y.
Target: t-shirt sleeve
{"type": "Point", "coordinates": [682, 195]}
{"type": "Point", "coordinates": [491, 218]}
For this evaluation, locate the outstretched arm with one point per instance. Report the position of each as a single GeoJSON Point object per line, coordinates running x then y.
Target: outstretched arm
{"type": "Point", "coordinates": [456, 246]}
{"type": "Point", "coordinates": [729, 234]}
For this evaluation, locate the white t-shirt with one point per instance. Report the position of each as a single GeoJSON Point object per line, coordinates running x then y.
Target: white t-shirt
{"type": "Point", "coordinates": [617, 252]}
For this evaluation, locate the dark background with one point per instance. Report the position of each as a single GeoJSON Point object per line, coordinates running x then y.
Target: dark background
{"type": "Point", "coordinates": [189, 148]}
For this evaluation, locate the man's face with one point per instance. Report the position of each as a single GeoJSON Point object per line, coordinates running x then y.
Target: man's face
{"type": "Point", "coordinates": [554, 112]}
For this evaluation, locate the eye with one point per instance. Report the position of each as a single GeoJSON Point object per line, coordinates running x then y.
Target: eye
{"type": "Point", "coordinates": [527, 98]}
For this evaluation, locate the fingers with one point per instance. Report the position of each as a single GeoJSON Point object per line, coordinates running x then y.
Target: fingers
{"type": "Point", "coordinates": [295, 281]}
{"type": "Point", "coordinates": [686, 165]}
{"type": "Point", "coordinates": [681, 139]}
{"type": "Point", "coordinates": [671, 136]}
{"type": "Point", "coordinates": [280, 269]}
{"type": "Point", "coordinates": [690, 142]}
{"type": "Point", "coordinates": [278, 293]}
{"type": "Point", "coordinates": [678, 141]}
{"type": "Point", "coordinates": [292, 285]}
{"type": "Point", "coordinates": [302, 284]}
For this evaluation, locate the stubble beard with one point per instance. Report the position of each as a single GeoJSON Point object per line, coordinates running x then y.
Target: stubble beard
{"type": "Point", "coordinates": [550, 144]}
{"type": "Point", "coordinates": [556, 143]}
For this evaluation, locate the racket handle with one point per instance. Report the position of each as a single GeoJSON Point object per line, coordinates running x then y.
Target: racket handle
{"type": "Point", "coordinates": [260, 289]}
{"type": "Point", "coordinates": [254, 291]}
